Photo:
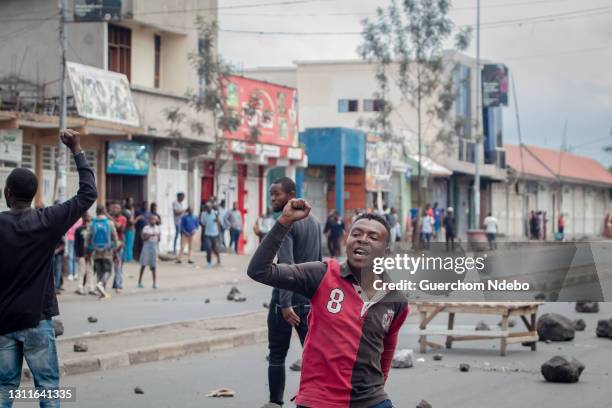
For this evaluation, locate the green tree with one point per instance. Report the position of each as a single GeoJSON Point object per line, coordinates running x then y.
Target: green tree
{"type": "Point", "coordinates": [406, 42]}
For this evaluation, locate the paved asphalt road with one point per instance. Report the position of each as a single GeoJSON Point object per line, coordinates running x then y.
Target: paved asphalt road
{"type": "Point", "coordinates": [150, 307]}
{"type": "Point", "coordinates": [494, 381]}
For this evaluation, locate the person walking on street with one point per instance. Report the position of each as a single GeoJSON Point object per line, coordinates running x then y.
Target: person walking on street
{"type": "Point", "coordinates": [27, 296]}
{"type": "Point", "coordinates": [178, 210]}
{"type": "Point", "coordinates": [427, 228]}
{"type": "Point", "coordinates": [490, 224]}
{"type": "Point", "coordinates": [58, 265]}
{"type": "Point", "coordinates": [130, 232]}
{"type": "Point", "coordinates": [209, 220]}
{"type": "Point", "coordinates": [289, 310]}
{"type": "Point", "coordinates": [353, 328]}
{"type": "Point", "coordinates": [83, 257]}
{"type": "Point", "coordinates": [120, 224]}
{"type": "Point", "coordinates": [140, 222]}
{"type": "Point", "coordinates": [188, 227]}
{"type": "Point", "coordinates": [334, 228]}
{"type": "Point", "coordinates": [396, 231]}
{"type": "Point", "coordinates": [264, 224]}
{"type": "Point", "coordinates": [151, 235]}
{"type": "Point", "coordinates": [234, 220]}
{"type": "Point", "coordinates": [101, 242]}
{"type": "Point", "coordinates": [72, 263]}
{"type": "Point", "coordinates": [222, 212]}
{"type": "Point", "coordinates": [450, 229]}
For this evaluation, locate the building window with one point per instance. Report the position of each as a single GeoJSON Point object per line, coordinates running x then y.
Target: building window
{"type": "Point", "coordinates": [373, 105]}
{"type": "Point", "coordinates": [48, 157]}
{"type": "Point", "coordinates": [348, 105]}
{"type": "Point", "coordinates": [120, 50]}
{"type": "Point", "coordinates": [92, 160]}
{"type": "Point", "coordinates": [172, 159]}
{"type": "Point", "coordinates": [157, 61]}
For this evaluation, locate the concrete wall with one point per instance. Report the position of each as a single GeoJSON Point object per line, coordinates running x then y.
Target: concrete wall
{"type": "Point", "coordinates": [583, 206]}
{"type": "Point", "coordinates": [30, 42]}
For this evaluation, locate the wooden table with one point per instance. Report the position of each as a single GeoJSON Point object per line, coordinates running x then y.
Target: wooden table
{"type": "Point", "coordinates": [428, 310]}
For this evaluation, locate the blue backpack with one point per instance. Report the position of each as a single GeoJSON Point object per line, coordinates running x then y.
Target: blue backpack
{"type": "Point", "coordinates": [101, 235]}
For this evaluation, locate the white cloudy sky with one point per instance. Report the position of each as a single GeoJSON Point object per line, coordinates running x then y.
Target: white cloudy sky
{"type": "Point", "coordinates": [562, 65]}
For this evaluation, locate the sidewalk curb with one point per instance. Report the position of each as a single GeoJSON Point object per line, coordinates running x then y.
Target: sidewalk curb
{"type": "Point", "coordinates": [157, 352]}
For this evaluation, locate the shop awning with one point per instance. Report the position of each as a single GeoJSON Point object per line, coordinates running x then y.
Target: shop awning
{"type": "Point", "coordinates": [428, 167]}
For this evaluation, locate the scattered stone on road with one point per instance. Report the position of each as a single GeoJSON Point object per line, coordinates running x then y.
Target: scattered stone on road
{"type": "Point", "coordinates": [80, 347]}
{"type": "Point", "coordinates": [482, 326]}
{"type": "Point", "coordinates": [555, 327]}
{"type": "Point", "coordinates": [296, 366]}
{"type": "Point", "coordinates": [138, 390]}
{"type": "Point", "coordinates": [266, 305]}
{"type": "Point", "coordinates": [92, 319]}
{"type": "Point", "coordinates": [587, 307]}
{"type": "Point", "coordinates": [235, 296]}
{"type": "Point", "coordinates": [221, 393]}
{"type": "Point", "coordinates": [424, 404]}
{"type": "Point", "coordinates": [464, 367]}
{"type": "Point", "coordinates": [511, 323]}
{"type": "Point", "coordinates": [579, 325]}
{"type": "Point", "coordinates": [58, 327]}
{"type": "Point", "coordinates": [437, 357]}
{"type": "Point", "coordinates": [206, 300]}
{"type": "Point", "coordinates": [540, 296]}
{"type": "Point", "coordinates": [604, 327]}
{"type": "Point", "coordinates": [402, 359]}
{"type": "Point", "coordinates": [561, 370]}
{"type": "Point", "coordinates": [527, 343]}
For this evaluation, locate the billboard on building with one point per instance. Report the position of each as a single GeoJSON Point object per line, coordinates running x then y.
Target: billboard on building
{"type": "Point", "coordinates": [11, 145]}
{"type": "Point", "coordinates": [495, 82]}
{"type": "Point", "coordinates": [128, 157]}
{"type": "Point", "coordinates": [378, 166]}
{"type": "Point", "coordinates": [270, 108]}
{"type": "Point", "coordinates": [102, 95]}
{"type": "Point", "coordinates": [97, 10]}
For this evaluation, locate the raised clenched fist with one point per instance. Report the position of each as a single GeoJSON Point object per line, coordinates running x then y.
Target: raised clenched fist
{"type": "Point", "coordinates": [295, 210]}
{"type": "Point", "coordinates": [71, 139]}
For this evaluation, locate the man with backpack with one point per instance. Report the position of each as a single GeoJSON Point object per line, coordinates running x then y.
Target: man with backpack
{"type": "Point", "coordinates": [101, 242]}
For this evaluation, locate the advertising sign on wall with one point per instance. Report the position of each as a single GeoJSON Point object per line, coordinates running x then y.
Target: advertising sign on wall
{"type": "Point", "coordinates": [495, 85]}
{"type": "Point", "coordinates": [129, 158]}
{"type": "Point", "coordinates": [97, 10]}
{"type": "Point", "coordinates": [275, 116]}
{"type": "Point", "coordinates": [378, 167]}
{"type": "Point", "coordinates": [11, 144]}
{"type": "Point", "coordinates": [102, 95]}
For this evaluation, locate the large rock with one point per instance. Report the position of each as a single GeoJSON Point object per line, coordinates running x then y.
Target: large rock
{"type": "Point", "coordinates": [554, 327]}
{"type": "Point", "coordinates": [58, 327]}
{"type": "Point", "coordinates": [587, 307]}
{"type": "Point", "coordinates": [604, 327]}
{"type": "Point", "coordinates": [423, 404]}
{"type": "Point", "coordinates": [561, 370]}
{"type": "Point", "coordinates": [403, 359]}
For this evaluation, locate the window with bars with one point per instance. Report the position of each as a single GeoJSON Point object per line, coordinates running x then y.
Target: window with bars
{"type": "Point", "coordinates": [92, 159]}
{"type": "Point", "coordinates": [120, 50]}
{"type": "Point", "coordinates": [48, 157]}
{"type": "Point", "coordinates": [27, 158]}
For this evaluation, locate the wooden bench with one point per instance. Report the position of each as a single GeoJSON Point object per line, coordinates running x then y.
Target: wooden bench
{"type": "Point", "coordinates": [428, 310]}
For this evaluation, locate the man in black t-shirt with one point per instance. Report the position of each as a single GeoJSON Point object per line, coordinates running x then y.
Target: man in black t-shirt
{"type": "Point", "coordinates": [27, 293]}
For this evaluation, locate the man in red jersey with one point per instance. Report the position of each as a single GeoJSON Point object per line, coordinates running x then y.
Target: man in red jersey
{"type": "Point", "coordinates": [353, 328]}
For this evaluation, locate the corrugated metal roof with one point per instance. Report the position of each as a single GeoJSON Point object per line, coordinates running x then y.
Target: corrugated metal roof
{"type": "Point", "coordinates": [551, 163]}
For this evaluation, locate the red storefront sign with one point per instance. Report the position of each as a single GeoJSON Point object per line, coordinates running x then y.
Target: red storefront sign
{"type": "Point", "coordinates": [275, 115]}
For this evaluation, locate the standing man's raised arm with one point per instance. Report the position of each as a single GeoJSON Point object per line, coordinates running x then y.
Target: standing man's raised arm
{"type": "Point", "coordinates": [301, 278]}
{"type": "Point", "coordinates": [62, 216]}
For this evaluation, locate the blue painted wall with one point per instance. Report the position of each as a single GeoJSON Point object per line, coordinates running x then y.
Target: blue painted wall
{"type": "Point", "coordinates": [338, 147]}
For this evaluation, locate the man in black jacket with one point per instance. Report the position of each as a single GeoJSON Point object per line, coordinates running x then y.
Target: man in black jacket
{"type": "Point", "coordinates": [289, 310]}
{"type": "Point", "coordinates": [27, 293]}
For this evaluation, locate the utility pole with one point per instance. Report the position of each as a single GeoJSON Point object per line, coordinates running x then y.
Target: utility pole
{"type": "Point", "coordinates": [476, 219]}
{"type": "Point", "coordinates": [61, 159]}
